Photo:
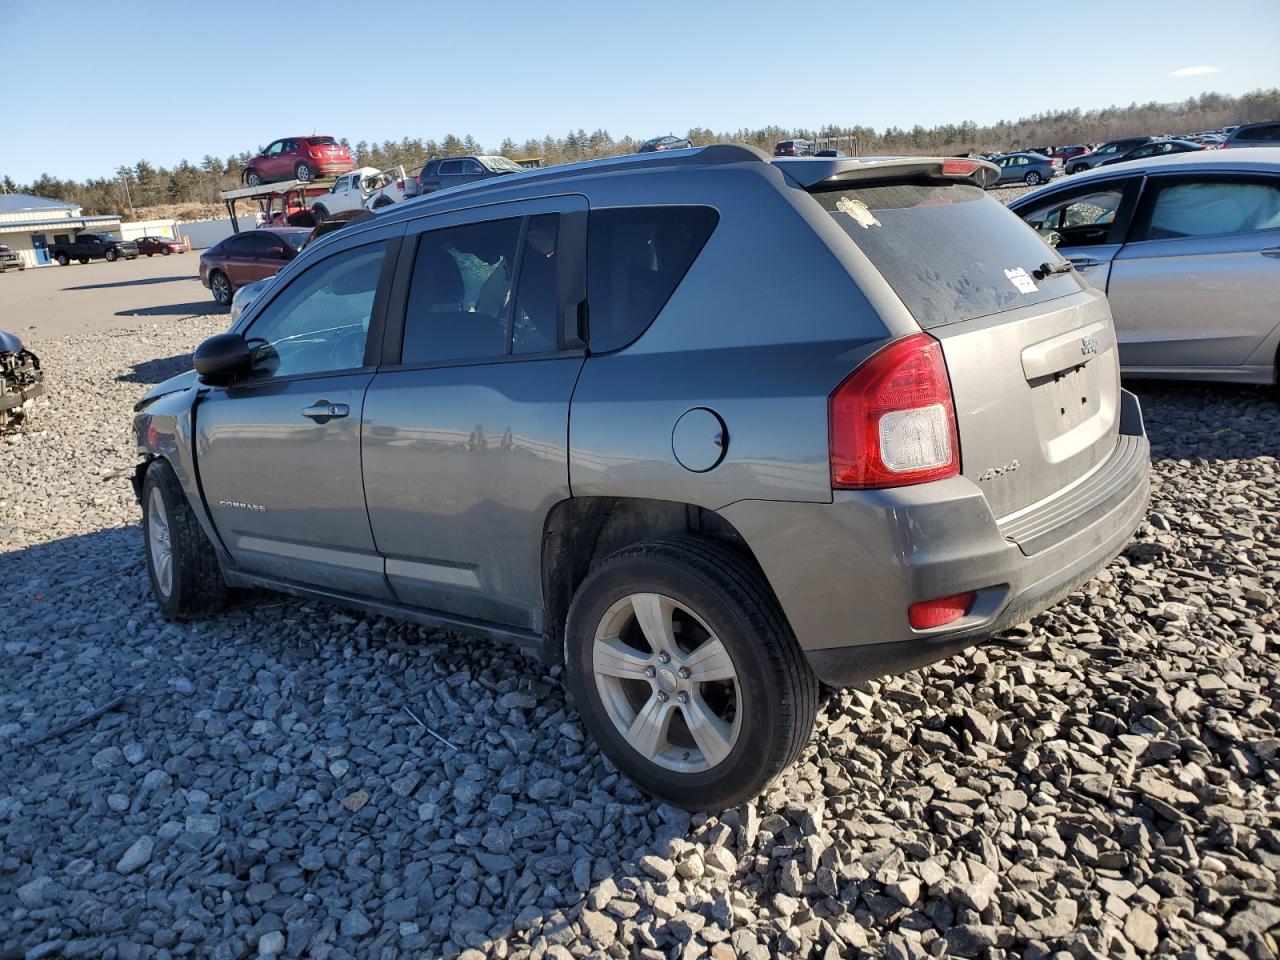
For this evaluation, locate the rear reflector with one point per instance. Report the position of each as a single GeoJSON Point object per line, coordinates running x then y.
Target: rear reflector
{"type": "Point", "coordinates": [943, 610]}
{"type": "Point", "coordinates": [958, 168]}
{"type": "Point", "coordinates": [892, 421]}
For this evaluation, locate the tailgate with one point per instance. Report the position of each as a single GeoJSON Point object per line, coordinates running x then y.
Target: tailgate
{"type": "Point", "coordinates": [1037, 395]}
{"type": "Point", "coordinates": [1030, 348]}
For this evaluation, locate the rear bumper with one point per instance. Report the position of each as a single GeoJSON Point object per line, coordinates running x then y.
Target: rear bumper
{"type": "Point", "coordinates": [846, 572]}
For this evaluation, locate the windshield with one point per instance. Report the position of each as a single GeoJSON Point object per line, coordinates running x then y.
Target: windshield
{"type": "Point", "coordinates": [949, 251]}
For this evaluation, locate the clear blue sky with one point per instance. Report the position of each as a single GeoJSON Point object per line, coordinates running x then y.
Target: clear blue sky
{"type": "Point", "coordinates": [373, 70]}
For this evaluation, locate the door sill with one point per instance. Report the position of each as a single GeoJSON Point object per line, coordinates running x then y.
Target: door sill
{"type": "Point", "coordinates": [526, 640]}
{"type": "Point", "coordinates": [1263, 374]}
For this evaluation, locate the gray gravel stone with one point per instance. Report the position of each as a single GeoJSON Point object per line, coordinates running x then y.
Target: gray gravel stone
{"type": "Point", "coordinates": [137, 856]}
{"type": "Point", "coordinates": [1099, 781]}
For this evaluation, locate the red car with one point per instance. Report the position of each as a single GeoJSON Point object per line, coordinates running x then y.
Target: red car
{"type": "Point", "coordinates": [153, 245]}
{"type": "Point", "coordinates": [1068, 153]}
{"type": "Point", "coordinates": [245, 257]}
{"type": "Point", "coordinates": [298, 158]}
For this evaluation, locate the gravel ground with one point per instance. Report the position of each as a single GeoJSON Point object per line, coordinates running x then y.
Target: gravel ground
{"type": "Point", "coordinates": [289, 779]}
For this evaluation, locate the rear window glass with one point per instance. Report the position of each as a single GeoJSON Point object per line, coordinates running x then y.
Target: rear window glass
{"type": "Point", "coordinates": [636, 257]}
{"type": "Point", "coordinates": [949, 251]}
{"type": "Point", "coordinates": [321, 141]}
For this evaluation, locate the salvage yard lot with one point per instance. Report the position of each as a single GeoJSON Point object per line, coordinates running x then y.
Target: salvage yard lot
{"type": "Point", "coordinates": [292, 778]}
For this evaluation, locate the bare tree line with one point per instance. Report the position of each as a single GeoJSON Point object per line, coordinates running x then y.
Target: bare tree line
{"type": "Point", "coordinates": [146, 185]}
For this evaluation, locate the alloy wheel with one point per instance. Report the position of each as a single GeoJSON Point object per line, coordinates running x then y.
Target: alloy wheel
{"type": "Point", "coordinates": [221, 288]}
{"type": "Point", "coordinates": [159, 542]}
{"type": "Point", "coordinates": [667, 682]}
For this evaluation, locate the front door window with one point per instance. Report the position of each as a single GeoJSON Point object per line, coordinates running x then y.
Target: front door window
{"type": "Point", "coordinates": [320, 322]}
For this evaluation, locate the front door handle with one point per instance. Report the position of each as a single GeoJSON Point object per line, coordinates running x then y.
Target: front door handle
{"type": "Point", "coordinates": [1083, 263]}
{"type": "Point", "coordinates": [322, 411]}
{"type": "Point", "coordinates": [1271, 252]}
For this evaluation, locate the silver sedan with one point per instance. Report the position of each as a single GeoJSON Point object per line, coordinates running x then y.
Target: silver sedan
{"type": "Point", "coordinates": [1187, 248]}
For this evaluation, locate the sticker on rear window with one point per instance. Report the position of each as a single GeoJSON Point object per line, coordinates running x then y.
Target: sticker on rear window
{"type": "Point", "coordinates": [860, 212]}
{"type": "Point", "coordinates": [1020, 279]}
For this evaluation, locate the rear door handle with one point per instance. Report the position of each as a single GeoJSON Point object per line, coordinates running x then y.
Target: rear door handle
{"type": "Point", "coordinates": [1083, 263]}
{"type": "Point", "coordinates": [1271, 252]}
{"type": "Point", "coordinates": [322, 411]}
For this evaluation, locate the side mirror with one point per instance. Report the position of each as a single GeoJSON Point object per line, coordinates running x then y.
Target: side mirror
{"type": "Point", "coordinates": [221, 358]}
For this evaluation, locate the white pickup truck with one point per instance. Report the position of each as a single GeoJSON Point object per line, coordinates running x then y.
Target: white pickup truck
{"type": "Point", "coordinates": [364, 187]}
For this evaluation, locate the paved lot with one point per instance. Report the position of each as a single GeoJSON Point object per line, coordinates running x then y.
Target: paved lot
{"type": "Point", "coordinates": [290, 779]}
{"type": "Point", "coordinates": [59, 301]}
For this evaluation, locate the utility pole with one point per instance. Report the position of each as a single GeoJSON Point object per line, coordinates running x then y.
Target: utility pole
{"type": "Point", "coordinates": [128, 196]}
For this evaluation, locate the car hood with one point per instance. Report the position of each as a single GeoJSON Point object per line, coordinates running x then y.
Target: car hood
{"type": "Point", "coordinates": [174, 384]}
{"type": "Point", "coordinates": [9, 343]}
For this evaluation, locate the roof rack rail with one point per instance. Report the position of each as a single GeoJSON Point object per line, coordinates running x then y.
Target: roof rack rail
{"type": "Point", "coordinates": [713, 153]}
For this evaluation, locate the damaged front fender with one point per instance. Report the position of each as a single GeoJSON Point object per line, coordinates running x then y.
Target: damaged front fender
{"type": "Point", "coordinates": [21, 380]}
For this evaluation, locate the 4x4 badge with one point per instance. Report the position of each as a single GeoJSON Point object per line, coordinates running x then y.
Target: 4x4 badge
{"type": "Point", "coordinates": [995, 473]}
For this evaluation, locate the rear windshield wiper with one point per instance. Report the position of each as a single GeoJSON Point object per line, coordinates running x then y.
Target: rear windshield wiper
{"type": "Point", "coordinates": [1047, 269]}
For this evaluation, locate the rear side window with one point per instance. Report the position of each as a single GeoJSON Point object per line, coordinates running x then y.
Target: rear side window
{"type": "Point", "coordinates": [636, 257]}
{"type": "Point", "coordinates": [460, 294]}
{"type": "Point", "coordinates": [1211, 206]}
{"type": "Point", "coordinates": [949, 251]}
{"type": "Point", "coordinates": [1268, 131]}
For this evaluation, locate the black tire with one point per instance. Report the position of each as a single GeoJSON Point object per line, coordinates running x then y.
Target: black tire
{"type": "Point", "coordinates": [319, 212]}
{"type": "Point", "coordinates": [166, 251]}
{"type": "Point", "coordinates": [776, 692]}
{"type": "Point", "coordinates": [111, 256]}
{"type": "Point", "coordinates": [220, 287]}
{"type": "Point", "coordinates": [84, 260]}
{"type": "Point", "coordinates": [303, 172]}
{"type": "Point", "coordinates": [252, 178]}
{"type": "Point", "coordinates": [62, 259]}
{"type": "Point", "coordinates": [196, 587]}
{"type": "Point", "coordinates": [382, 201]}
{"type": "Point", "coordinates": [1033, 179]}
{"type": "Point", "coordinates": [150, 255]}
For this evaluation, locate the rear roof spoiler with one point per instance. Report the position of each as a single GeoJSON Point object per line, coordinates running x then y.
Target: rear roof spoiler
{"type": "Point", "coordinates": [810, 172]}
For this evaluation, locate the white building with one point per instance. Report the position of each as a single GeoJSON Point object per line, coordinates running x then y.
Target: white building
{"type": "Point", "coordinates": [29, 225]}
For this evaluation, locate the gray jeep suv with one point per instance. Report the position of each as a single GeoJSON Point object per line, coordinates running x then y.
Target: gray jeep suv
{"type": "Point", "coordinates": [704, 427]}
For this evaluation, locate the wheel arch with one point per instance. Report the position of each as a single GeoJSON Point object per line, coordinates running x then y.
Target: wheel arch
{"type": "Point", "coordinates": [579, 532]}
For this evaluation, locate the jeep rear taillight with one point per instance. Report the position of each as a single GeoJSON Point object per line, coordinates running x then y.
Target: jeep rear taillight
{"type": "Point", "coordinates": [892, 421]}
